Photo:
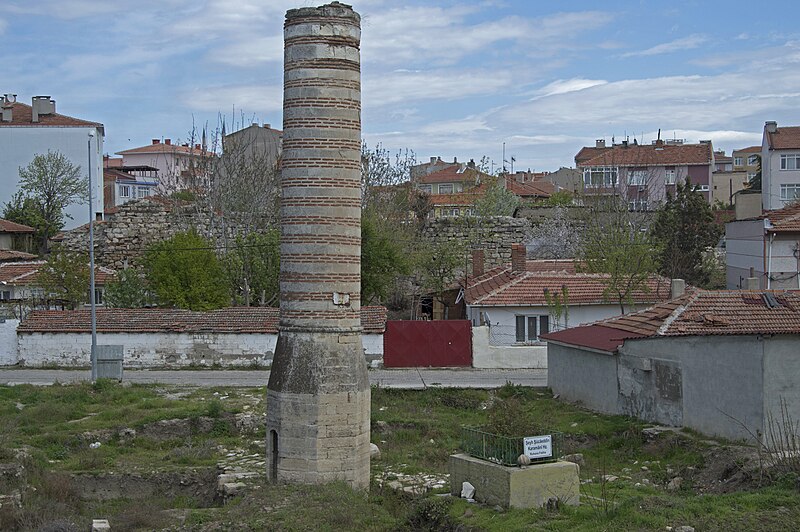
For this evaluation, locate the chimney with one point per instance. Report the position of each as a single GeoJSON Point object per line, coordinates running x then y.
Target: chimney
{"type": "Point", "coordinates": [41, 105]}
{"type": "Point", "coordinates": [156, 141]}
{"type": "Point", "coordinates": [197, 147]}
{"type": "Point", "coordinates": [7, 107]}
{"type": "Point", "coordinates": [168, 142]}
{"type": "Point", "coordinates": [455, 160]}
{"type": "Point", "coordinates": [471, 164]}
{"type": "Point", "coordinates": [677, 288]}
{"type": "Point", "coordinates": [478, 259]}
{"type": "Point", "coordinates": [518, 253]}
{"type": "Point", "coordinates": [600, 143]}
{"type": "Point", "coordinates": [267, 126]}
{"type": "Point", "coordinates": [433, 159]}
{"type": "Point", "coordinates": [771, 126]}
{"type": "Point", "coordinates": [752, 284]}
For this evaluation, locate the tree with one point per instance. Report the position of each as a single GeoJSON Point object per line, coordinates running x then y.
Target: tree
{"type": "Point", "coordinates": [615, 245]}
{"type": "Point", "coordinates": [557, 237]}
{"type": "Point", "coordinates": [684, 228]}
{"type": "Point", "coordinates": [498, 201]}
{"type": "Point", "coordinates": [253, 266]}
{"type": "Point", "coordinates": [65, 276]}
{"type": "Point", "coordinates": [754, 185]}
{"type": "Point", "coordinates": [185, 272]}
{"type": "Point", "coordinates": [384, 256]}
{"type": "Point", "coordinates": [128, 290]}
{"type": "Point", "coordinates": [438, 266]}
{"type": "Point", "coordinates": [51, 183]}
{"type": "Point", "coordinates": [23, 210]}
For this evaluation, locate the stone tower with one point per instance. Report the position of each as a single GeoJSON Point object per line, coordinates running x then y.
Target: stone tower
{"type": "Point", "coordinates": [318, 396]}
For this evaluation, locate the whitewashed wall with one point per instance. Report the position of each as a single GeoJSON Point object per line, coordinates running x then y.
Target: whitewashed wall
{"type": "Point", "coordinates": [505, 357]}
{"type": "Point", "coordinates": [144, 350]}
{"type": "Point", "coordinates": [8, 342]}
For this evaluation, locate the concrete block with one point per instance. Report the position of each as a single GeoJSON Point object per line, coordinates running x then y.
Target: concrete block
{"type": "Point", "coordinates": [516, 487]}
{"type": "Point", "coordinates": [100, 525]}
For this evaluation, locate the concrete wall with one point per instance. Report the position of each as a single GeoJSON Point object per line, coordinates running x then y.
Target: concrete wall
{"type": "Point", "coordinates": [784, 267]}
{"type": "Point", "coordinates": [147, 350]}
{"type": "Point", "coordinates": [505, 357]}
{"type": "Point", "coordinates": [744, 249]}
{"type": "Point", "coordinates": [8, 342]}
{"type": "Point", "coordinates": [713, 384]}
{"type": "Point", "coordinates": [782, 377]}
{"type": "Point", "coordinates": [21, 144]}
{"type": "Point", "coordinates": [583, 376]}
{"type": "Point", "coordinates": [747, 205]}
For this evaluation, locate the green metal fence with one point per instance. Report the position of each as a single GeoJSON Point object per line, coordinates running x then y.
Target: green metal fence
{"type": "Point", "coordinates": [502, 449]}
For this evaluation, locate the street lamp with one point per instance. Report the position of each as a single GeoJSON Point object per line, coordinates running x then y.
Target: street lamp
{"type": "Point", "coordinates": [93, 353]}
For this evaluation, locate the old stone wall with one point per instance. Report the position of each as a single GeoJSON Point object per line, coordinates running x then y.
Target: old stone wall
{"type": "Point", "coordinates": [122, 239]}
{"type": "Point", "coordinates": [492, 234]}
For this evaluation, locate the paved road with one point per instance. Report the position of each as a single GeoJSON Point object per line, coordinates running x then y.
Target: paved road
{"type": "Point", "coordinates": [389, 378]}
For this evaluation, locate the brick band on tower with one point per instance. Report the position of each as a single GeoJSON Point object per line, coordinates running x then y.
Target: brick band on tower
{"type": "Point", "coordinates": [318, 396]}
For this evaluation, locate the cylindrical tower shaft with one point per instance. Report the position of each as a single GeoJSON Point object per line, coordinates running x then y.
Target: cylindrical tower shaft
{"type": "Point", "coordinates": [318, 393]}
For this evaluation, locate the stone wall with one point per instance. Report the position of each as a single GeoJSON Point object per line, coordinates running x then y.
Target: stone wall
{"type": "Point", "coordinates": [492, 234]}
{"type": "Point", "coordinates": [123, 237]}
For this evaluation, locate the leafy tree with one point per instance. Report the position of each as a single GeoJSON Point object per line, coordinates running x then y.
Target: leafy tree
{"type": "Point", "coordinates": [561, 198]}
{"type": "Point", "coordinates": [253, 266]}
{"type": "Point", "coordinates": [23, 210]}
{"type": "Point", "coordinates": [498, 201]}
{"type": "Point", "coordinates": [684, 228]}
{"type": "Point", "coordinates": [557, 237]}
{"type": "Point", "coordinates": [51, 183]}
{"type": "Point", "coordinates": [615, 245]}
{"type": "Point", "coordinates": [384, 256]}
{"type": "Point", "coordinates": [185, 272]}
{"type": "Point", "coordinates": [128, 290]}
{"type": "Point", "coordinates": [65, 276]}
{"type": "Point", "coordinates": [754, 185]}
{"type": "Point", "coordinates": [438, 266]}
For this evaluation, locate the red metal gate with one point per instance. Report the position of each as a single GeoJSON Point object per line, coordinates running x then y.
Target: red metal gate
{"type": "Point", "coordinates": [442, 343]}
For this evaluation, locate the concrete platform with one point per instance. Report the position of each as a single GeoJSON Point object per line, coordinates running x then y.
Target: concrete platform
{"type": "Point", "coordinates": [516, 487]}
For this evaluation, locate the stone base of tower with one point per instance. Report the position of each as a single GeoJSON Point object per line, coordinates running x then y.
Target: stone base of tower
{"type": "Point", "coordinates": [318, 410]}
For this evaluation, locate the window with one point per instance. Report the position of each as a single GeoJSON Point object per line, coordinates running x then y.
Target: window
{"type": "Point", "coordinates": [124, 191]}
{"type": "Point", "coordinates": [790, 162]}
{"type": "Point", "coordinates": [528, 328]}
{"type": "Point", "coordinates": [425, 188]}
{"type": "Point", "coordinates": [752, 160]}
{"type": "Point", "coordinates": [669, 176]}
{"type": "Point", "coordinates": [143, 192]}
{"type": "Point", "coordinates": [790, 191]}
{"type": "Point", "coordinates": [751, 176]}
{"type": "Point", "coordinates": [446, 188]}
{"type": "Point", "coordinates": [600, 176]}
{"type": "Point", "coordinates": [738, 161]}
{"type": "Point", "coordinates": [638, 177]}
{"type": "Point", "coordinates": [701, 188]}
{"type": "Point", "coordinates": [5, 295]}
{"type": "Point", "coordinates": [637, 205]}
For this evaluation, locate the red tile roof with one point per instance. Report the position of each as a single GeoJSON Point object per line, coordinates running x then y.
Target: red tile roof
{"type": "Point", "coordinates": [453, 174]}
{"type": "Point", "coordinates": [21, 117]}
{"type": "Point", "coordinates": [702, 313]}
{"type": "Point", "coordinates": [502, 287]}
{"type": "Point", "coordinates": [592, 336]}
{"type": "Point", "coordinates": [786, 219]}
{"type": "Point", "coordinates": [587, 152]}
{"type": "Point", "coordinates": [163, 147]}
{"type": "Point", "coordinates": [749, 149]}
{"type": "Point", "coordinates": [227, 320]}
{"type": "Point", "coordinates": [26, 272]}
{"type": "Point", "coordinates": [530, 189]}
{"type": "Point", "coordinates": [784, 138]}
{"type": "Point", "coordinates": [7, 255]}
{"type": "Point", "coordinates": [652, 155]}
{"type": "Point", "coordinates": [7, 226]}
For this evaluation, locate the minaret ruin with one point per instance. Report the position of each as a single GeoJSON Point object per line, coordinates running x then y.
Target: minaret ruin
{"type": "Point", "coordinates": [318, 396]}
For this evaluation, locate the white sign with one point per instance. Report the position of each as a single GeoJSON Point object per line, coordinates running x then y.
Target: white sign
{"type": "Point", "coordinates": [539, 446]}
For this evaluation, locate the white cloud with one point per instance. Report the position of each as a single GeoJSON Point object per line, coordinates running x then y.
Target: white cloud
{"type": "Point", "coordinates": [685, 43]}
{"type": "Point", "coordinates": [562, 86]}
{"type": "Point", "coordinates": [404, 86]}
{"type": "Point", "coordinates": [249, 98]}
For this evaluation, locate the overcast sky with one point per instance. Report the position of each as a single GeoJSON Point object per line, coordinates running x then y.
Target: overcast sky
{"type": "Point", "coordinates": [448, 78]}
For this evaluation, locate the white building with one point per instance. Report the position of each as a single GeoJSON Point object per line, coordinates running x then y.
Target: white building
{"type": "Point", "coordinates": [30, 130]}
{"type": "Point", "coordinates": [780, 166]}
{"type": "Point", "coordinates": [179, 166]}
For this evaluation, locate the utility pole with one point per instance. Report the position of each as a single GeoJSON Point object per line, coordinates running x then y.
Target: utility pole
{"type": "Point", "coordinates": [93, 353]}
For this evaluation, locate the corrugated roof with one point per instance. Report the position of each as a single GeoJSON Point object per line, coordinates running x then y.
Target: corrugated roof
{"type": "Point", "coordinates": [11, 255]}
{"type": "Point", "coordinates": [633, 155]}
{"type": "Point", "coordinates": [25, 273]}
{"type": "Point", "coordinates": [227, 320]}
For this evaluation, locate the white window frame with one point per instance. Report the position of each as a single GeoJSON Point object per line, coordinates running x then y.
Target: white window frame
{"type": "Point", "coordinates": [124, 191]}
{"type": "Point", "coordinates": [752, 160]}
{"type": "Point", "coordinates": [786, 188]}
{"type": "Point", "coordinates": [670, 176]}
{"type": "Point", "coordinates": [738, 161]}
{"type": "Point", "coordinates": [142, 192]}
{"type": "Point", "coordinates": [424, 188]}
{"type": "Point", "coordinates": [751, 176]}
{"type": "Point", "coordinates": [525, 335]}
{"type": "Point", "coordinates": [790, 161]}
{"type": "Point", "coordinates": [701, 188]}
{"type": "Point", "coordinates": [600, 176]}
{"type": "Point", "coordinates": [446, 188]}
{"type": "Point", "coordinates": [637, 178]}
